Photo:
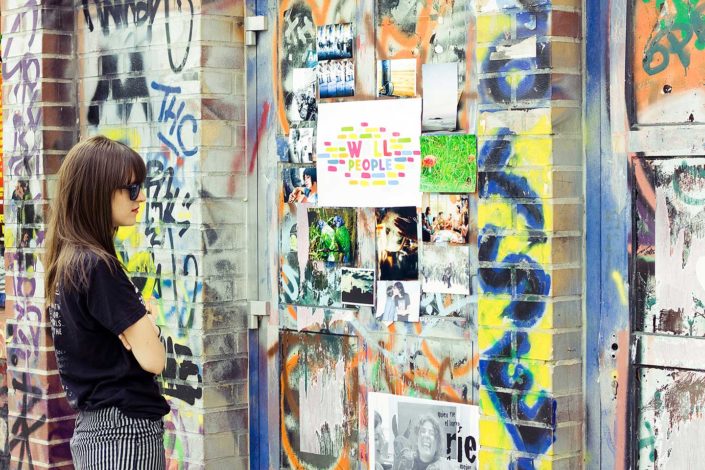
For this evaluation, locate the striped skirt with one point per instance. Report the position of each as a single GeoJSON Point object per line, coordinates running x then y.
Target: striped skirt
{"type": "Point", "coordinates": [107, 439]}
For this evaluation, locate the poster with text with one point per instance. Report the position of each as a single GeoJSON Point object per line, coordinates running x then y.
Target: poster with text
{"type": "Point", "coordinates": [407, 433]}
{"type": "Point", "coordinates": [369, 153]}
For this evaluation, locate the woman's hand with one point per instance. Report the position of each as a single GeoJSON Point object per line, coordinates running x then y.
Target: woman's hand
{"type": "Point", "coordinates": [151, 308]}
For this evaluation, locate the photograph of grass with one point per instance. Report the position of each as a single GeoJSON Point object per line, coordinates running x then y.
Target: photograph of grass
{"type": "Point", "coordinates": [332, 235]}
{"type": "Point", "coordinates": [448, 164]}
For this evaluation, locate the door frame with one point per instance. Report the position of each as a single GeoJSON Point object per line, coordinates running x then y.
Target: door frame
{"type": "Point", "coordinates": [262, 254]}
{"type": "Point", "coordinates": [608, 212]}
{"type": "Point", "coordinates": [606, 314]}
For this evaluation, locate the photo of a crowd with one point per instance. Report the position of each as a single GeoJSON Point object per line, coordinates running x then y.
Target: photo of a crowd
{"type": "Point", "coordinates": [446, 219]}
{"type": "Point", "coordinates": [336, 78]}
{"type": "Point", "coordinates": [335, 41]}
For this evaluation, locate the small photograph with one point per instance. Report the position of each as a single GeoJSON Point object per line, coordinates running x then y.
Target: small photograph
{"type": "Point", "coordinates": [397, 244]}
{"type": "Point", "coordinates": [396, 78]}
{"type": "Point", "coordinates": [357, 286]}
{"type": "Point", "coordinates": [445, 269]}
{"type": "Point", "coordinates": [302, 141]}
{"type": "Point", "coordinates": [300, 185]}
{"type": "Point", "coordinates": [440, 97]}
{"type": "Point", "coordinates": [335, 41]}
{"type": "Point", "coordinates": [304, 106]}
{"type": "Point", "coordinates": [336, 78]}
{"type": "Point", "coordinates": [398, 301]}
{"type": "Point", "coordinates": [448, 163]}
{"type": "Point", "coordinates": [445, 218]}
{"type": "Point", "coordinates": [332, 235]}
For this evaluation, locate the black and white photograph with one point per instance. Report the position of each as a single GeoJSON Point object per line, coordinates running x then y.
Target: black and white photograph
{"type": "Point", "coordinates": [415, 433]}
{"type": "Point", "coordinates": [335, 41]}
{"type": "Point", "coordinates": [304, 107]}
{"type": "Point", "coordinates": [302, 141]}
{"type": "Point", "coordinates": [397, 243]}
{"type": "Point", "coordinates": [357, 286]}
{"type": "Point", "coordinates": [445, 269]}
{"type": "Point", "coordinates": [336, 78]}
{"type": "Point", "coordinates": [398, 301]}
{"type": "Point", "coordinates": [440, 97]}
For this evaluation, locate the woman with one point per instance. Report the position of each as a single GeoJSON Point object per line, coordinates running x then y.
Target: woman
{"type": "Point", "coordinates": [428, 444]}
{"type": "Point", "coordinates": [309, 192]}
{"type": "Point", "coordinates": [107, 346]}
{"type": "Point", "coordinates": [402, 301]}
{"type": "Point", "coordinates": [381, 449]}
{"type": "Point", "coordinates": [389, 306]}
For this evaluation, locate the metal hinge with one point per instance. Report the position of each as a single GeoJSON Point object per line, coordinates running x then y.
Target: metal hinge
{"type": "Point", "coordinates": [253, 24]}
{"type": "Point", "coordinates": [257, 308]}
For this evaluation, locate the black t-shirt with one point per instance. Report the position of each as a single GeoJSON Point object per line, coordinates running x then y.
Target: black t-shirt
{"type": "Point", "coordinates": [95, 368]}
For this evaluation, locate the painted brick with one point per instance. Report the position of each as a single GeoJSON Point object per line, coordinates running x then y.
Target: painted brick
{"type": "Point", "coordinates": [557, 378]}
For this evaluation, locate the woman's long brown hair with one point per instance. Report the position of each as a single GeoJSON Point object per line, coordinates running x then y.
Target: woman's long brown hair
{"type": "Point", "coordinates": [80, 221]}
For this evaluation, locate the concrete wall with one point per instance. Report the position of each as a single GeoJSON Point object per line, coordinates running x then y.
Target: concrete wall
{"type": "Point", "coordinates": [167, 78]}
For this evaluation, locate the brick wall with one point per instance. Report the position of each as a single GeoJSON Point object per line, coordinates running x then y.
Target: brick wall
{"type": "Point", "coordinates": [168, 81]}
{"type": "Point", "coordinates": [531, 236]}
{"type": "Point", "coordinates": [39, 126]}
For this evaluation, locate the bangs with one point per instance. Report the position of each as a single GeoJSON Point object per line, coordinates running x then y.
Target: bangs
{"type": "Point", "coordinates": [134, 169]}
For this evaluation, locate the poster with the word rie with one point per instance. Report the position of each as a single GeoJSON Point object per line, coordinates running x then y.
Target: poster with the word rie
{"type": "Point", "coordinates": [369, 153]}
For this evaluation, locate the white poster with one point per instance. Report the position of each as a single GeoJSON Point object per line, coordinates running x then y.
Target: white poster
{"type": "Point", "coordinates": [369, 153]}
{"type": "Point", "coordinates": [407, 433]}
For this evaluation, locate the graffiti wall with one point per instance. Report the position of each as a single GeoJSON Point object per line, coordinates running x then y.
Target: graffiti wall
{"type": "Point", "coordinates": [30, 105]}
{"type": "Point", "coordinates": [506, 337]}
{"type": "Point", "coordinates": [668, 207]}
{"type": "Point", "coordinates": [666, 58]}
{"type": "Point", "coordinates": [152, 76]}
{"type": "Point", "coordinates": [529, 234]}
{"type": "Point", "coordinates": [168, 91]}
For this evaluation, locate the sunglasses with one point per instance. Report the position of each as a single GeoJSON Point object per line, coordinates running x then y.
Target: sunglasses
{"type": "Point", "coordinates": [134, 190]}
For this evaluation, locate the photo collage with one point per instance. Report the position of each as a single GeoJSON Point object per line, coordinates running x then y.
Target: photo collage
{"type": "Point", "coordinates": [346, 156]}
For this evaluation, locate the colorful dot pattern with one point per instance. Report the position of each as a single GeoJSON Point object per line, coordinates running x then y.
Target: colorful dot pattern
{"type": "Point", "coordinates": [370, 156]}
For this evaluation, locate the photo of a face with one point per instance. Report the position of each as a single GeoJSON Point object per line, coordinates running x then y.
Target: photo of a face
{"type": "Point", "coordinates": [299, 185]}
{"type": "Point", "coordinates": [398, 301]}
{"type": "Point", "coordinates": [397, 243]}
{"type": "Point", "coordinates": [415, 433]}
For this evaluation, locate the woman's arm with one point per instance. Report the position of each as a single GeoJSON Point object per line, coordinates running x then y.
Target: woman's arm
{"type": "Point", "coordinates": [142, 337]}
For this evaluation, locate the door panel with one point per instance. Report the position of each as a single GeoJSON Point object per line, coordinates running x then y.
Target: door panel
{"type": "Point", "coordinates": [319, 400]}
{"type": "Point", "coordinates": [668, 232]}
{"type": "Point", "coordinates": [670, 237]}
{"type": "Point", "coordinates": [669, 311]}
{"type": "Point", "coordinates": [321, 358]}
{"type": "Point", "coordinates": [672, 425]}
